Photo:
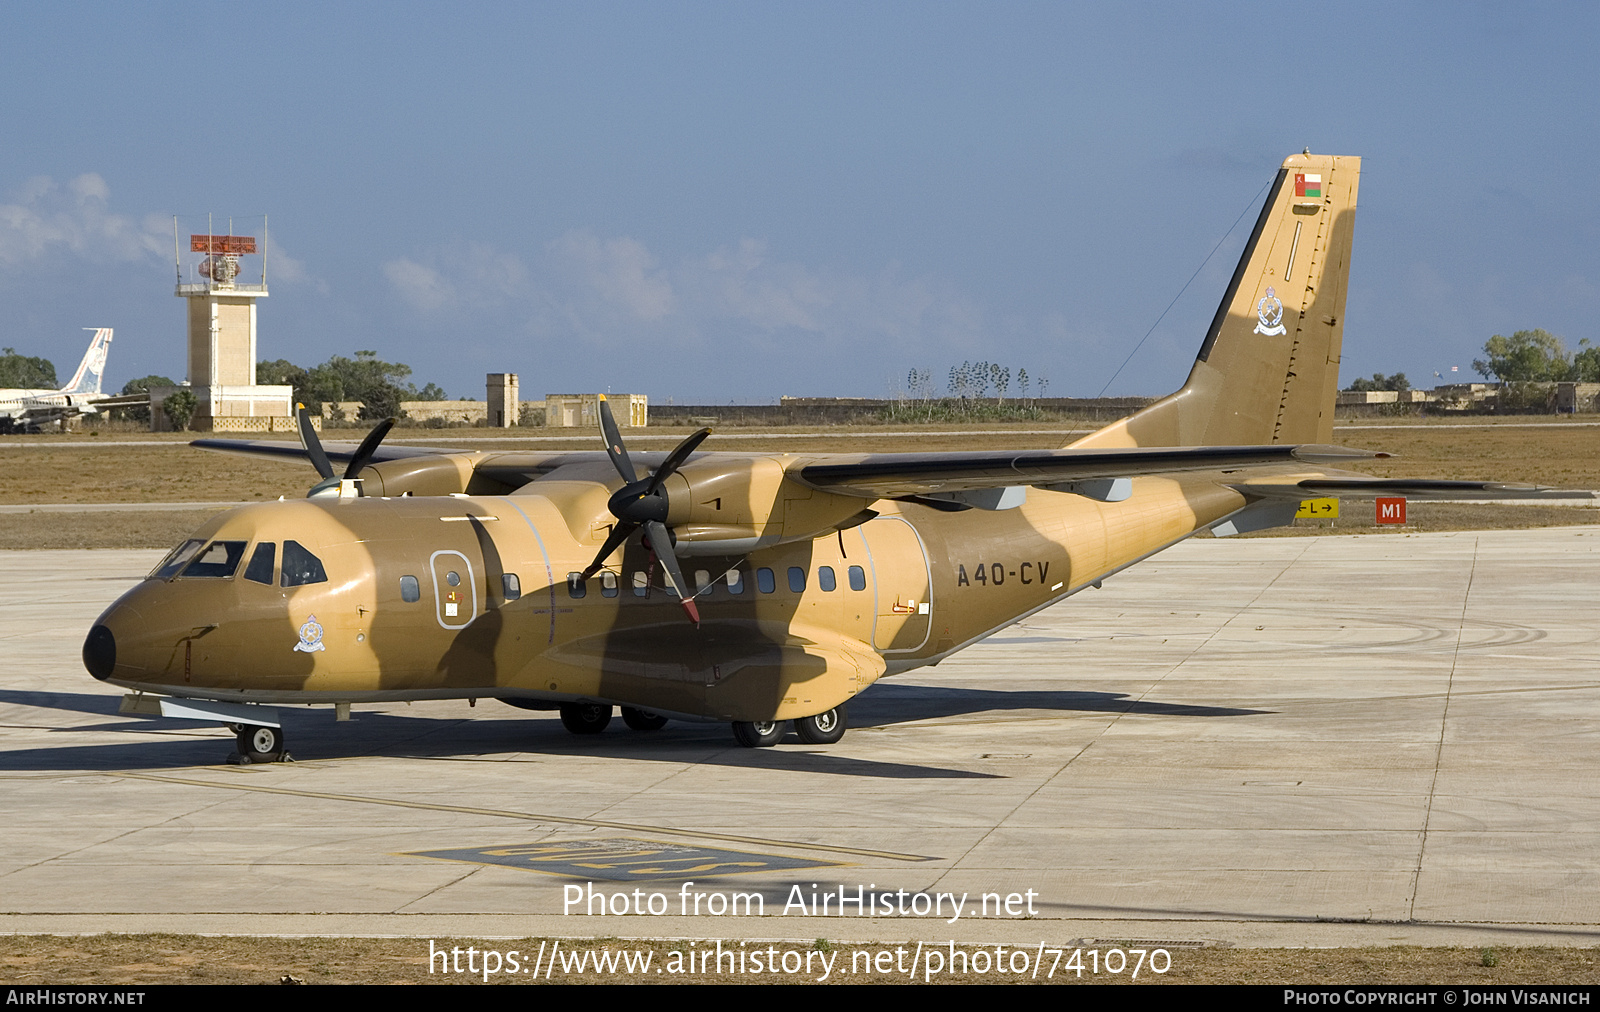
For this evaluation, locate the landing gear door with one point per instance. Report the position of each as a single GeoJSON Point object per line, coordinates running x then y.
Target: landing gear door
{"type": "Point", "coordinates": [455, 590]}
{"type": "Point", "coordinates": [901, 584]}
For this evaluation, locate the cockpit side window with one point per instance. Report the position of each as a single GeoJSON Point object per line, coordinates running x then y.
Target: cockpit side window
{"type": "Point", "coordinates": [176, 560]}
{"type": "Point", "coordinates": [260, 568]}
{"type": "Point", "coordinates": [300, 567]}
{"type": "Point", "coordinates": [218, 560]}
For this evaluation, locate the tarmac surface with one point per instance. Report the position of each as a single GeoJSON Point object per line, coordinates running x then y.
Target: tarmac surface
{"type": "Point", "coordinates": [1276, 742]}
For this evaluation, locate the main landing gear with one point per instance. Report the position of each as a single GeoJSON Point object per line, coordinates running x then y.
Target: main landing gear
{"type": "Point", "coordinates": [592, 718]}
{"type": "Point", "coordinates": [259, 744]}
{"type": "Point", "coordinates": [822, 729]}
{"type": "Point", "coordinates": [642, 720]}
{"type": "Point", "coordinates": [585, 718]}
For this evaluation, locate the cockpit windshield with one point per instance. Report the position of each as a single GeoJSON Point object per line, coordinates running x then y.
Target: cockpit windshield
{"type": "Point", "coordinates": [220, 559]}
{"type": "Point", "coordinates": [300, 567]}
{"type": "Point", "coordinates": [175, 560]}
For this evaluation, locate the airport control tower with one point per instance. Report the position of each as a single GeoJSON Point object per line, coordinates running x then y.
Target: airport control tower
{"type": "Point", "coordinates": [222, 342]}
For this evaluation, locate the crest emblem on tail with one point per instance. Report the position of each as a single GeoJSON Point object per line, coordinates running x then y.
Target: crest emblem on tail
{"type": "Point", "coordinates": [1269, 311]}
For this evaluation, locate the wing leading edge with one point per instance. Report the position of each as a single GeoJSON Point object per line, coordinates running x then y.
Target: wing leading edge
{"type": "Point", "coordinates": [894, 475]}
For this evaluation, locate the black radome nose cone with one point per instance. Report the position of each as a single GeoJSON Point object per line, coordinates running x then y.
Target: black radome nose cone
{"type": "Point", "coordinates": [100, 652]}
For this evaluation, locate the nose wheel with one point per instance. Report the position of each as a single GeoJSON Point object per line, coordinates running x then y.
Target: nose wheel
{"type": "Point", "coordinates": [260, 744]}
{"type": "Point", "coordinates": [823, 729]}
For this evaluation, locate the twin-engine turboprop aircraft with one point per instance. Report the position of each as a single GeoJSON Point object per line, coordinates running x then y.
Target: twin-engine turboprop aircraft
{"type": "Point", "coordinates": [751, 588]}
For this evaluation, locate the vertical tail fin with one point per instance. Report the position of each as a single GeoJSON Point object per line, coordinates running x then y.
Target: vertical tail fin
{"type": "Point", "coordinates": [87, 379]}
{"type": "Point", "coordinates": [1268, 371]}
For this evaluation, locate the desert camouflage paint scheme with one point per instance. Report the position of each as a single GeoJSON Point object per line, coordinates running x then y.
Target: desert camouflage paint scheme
{"type": "Point", "coordinates": [455, 574]}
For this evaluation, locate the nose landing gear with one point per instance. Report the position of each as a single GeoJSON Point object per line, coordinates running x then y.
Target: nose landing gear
{"type": "Point", "coordinates": [821, 729]}
{"type": "Point", "coordinates": [260, 744]}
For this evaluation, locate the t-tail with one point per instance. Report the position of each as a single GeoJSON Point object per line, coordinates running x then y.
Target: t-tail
{"type": "Point", "coordinates": [1268, 371]}
{"type": "Point", "coordinates": [87, 379]}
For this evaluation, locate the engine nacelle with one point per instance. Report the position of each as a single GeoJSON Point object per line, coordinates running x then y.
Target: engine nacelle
{"type": "Point", "coordinates": [736, 504]}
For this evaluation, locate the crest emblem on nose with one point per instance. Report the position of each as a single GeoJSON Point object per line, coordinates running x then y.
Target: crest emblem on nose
{"type": "Point", "coordinates": [310, 636]}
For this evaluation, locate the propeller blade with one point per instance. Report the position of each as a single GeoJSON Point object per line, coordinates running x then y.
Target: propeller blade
{"type": "Point", "coordinates": [619, 533]}
{"type": "Point", "coordinates": [614, 448]}
{"type": "Point", "coordinates": [675, 459]}
{"type": "Point", "coordinates": [661, 544]}
{"type": "Point", "coordinates": [313, 445]}
{"type": "Point", "coordinates": [368, 447]}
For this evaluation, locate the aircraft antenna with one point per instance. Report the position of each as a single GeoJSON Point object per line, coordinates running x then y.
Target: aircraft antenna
{"type": "Point", "coordinates": [1185, 288]}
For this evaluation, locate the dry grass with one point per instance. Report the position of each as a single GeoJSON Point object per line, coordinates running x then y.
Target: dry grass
{"type": "Point", "coordinates": [193, 959]}
{"type": "Point", "coordinates": [120, 468]}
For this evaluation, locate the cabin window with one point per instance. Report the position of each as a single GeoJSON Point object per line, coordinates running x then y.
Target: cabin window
{"type": "Point", "coordinates": [577, 587]}
{"type": "Point", "coordinates": [220, 559]}
{"type": "Point", "coordinates": [175, 561]}
{"type": "Point", "coordinates": [797, 579]}
{"type": "Point", "coordinates": [735, 580]}
{"type": "Point", "coordinates": [825, 578]}
{"type": "Point", "coordinates": [511, 586]}
{"type": "Point", "coordinates": [641, 583]}
{"type": "Point", "coordinates": [765, 582]}
{"type": "Point", "coordinates": [702, 581]}
{"type": "Point", "coordinates": [260, 568]}
{"type": "Point", "coordinates": [410, 589]}
{"type": "Point", "coordinates": [858, 578]}
{"type": "Point", "coordinates": [608, 584]}
{"type": "Point", "coordinates": [300, 567]}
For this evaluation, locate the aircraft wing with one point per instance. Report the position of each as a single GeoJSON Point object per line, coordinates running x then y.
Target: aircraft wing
{"type": "Point", "coordinates": [282, 449]}
{"type": "Point", "coordinates": [895, 475]}
{"type": "Point", "coordinates": [120, 401]}
{"type": "Point", "coordinates": [1364, 487]}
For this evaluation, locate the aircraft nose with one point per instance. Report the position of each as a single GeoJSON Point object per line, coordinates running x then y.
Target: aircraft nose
{"type": "Point", "coordinates": [100, 652]}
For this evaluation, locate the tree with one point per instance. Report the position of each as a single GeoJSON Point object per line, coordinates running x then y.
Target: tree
{"type": "Point", "coordinates": [1381, 382]}
{"type": "Point", "coordinates": [1536, 356]}
{"type": "Point", "coordinates": [142, 385]}
{"type": "Point", "coordinates": [282, 372]}
{"type": "Point", "coordinates": [26, 372]}
{"type": "Point", "coordinates": [179, 408]}
{"type": "Point", "coordinates": [373, 382]}
{"type": "Point", "coordinates": [1586, 363]}
{"type": "Point", "coordinates": [364, 378]}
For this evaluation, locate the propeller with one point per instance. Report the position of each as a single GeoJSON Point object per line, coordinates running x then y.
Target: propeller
{"type": "Point", "coordinates": [641, 502]}
{"type": "Point", "coordinates": [330, 485]}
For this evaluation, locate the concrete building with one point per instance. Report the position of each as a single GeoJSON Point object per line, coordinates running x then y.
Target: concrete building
{"type": "Point", "coordinates": [502, 400]}
{"type": "Point", "coordinates": [582, 411]}
{"type": "Point", "coordinates": [1573, 398]}
{"type": "Point", "coordinates": [221, 358]}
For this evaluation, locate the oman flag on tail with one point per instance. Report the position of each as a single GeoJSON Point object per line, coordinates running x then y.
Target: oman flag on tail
{"type": "Point", "coordinates": [1308, 184]}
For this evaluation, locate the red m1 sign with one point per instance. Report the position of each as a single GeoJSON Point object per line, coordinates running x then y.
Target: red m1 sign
{"type": "Point", "coordinates": [1391, 511]}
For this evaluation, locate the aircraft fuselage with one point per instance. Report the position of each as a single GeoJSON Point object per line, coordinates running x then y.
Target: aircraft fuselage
{"type": "Point", "coordinates": [365, 599]}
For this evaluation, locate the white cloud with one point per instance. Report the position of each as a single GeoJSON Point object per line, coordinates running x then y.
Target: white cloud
{"type": "Point", "coordinates": [48, 219]}
{"type": "Point", "coordinates": [738, 283]}
{"type": "Point", "coordinates": [606, 292]}
{"type": "Point", "coordinates": [619, 271]}
{"type": "Point", "coordinates": [422, 287]}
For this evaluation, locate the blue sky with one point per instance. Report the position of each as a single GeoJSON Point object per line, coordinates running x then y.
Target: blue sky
{"type": "Point", "coordinates": [731, 202]}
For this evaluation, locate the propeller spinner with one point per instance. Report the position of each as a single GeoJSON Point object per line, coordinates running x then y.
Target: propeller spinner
{"type": "Point", "coordinates": [642, 502]}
